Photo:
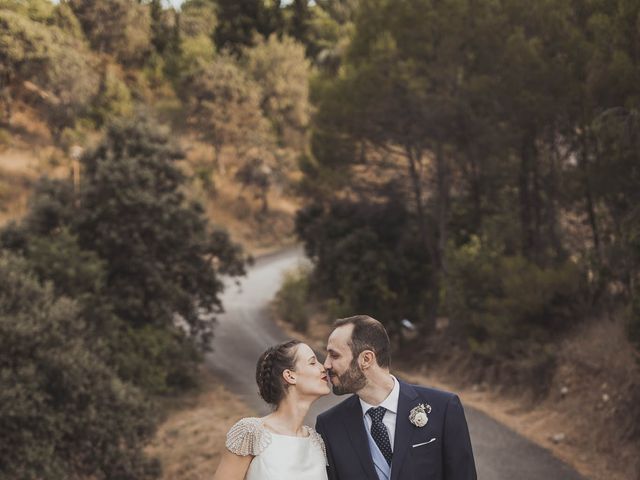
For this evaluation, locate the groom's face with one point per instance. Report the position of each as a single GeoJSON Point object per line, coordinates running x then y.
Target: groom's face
{"type": "Point", "coordinates": [345, 373]}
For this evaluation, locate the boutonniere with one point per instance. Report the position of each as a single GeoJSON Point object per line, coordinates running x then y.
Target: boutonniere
{"type": "Point", "coordinates": [418, 415]}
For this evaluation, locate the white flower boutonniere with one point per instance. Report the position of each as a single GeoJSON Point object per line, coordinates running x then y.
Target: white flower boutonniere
{"type": "Point", "coordinates": [418, 415]}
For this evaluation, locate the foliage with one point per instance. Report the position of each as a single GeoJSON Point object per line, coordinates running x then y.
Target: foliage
{"type": "Point", "coordinates": [615, 177]}
{"type": "Point", "coordinates": [150, 252]}
{"type": "Point", "coordinates": [198, 17]}
{"type": "Point", "coordinates": [196, 24]}
{"type": "Point", "coordinates": [504, 304]}
{"type": "Point", "coordinates": [59, 64]}
{"type": "Point", "coordinates": [196, 52]}
{"type": "Point", "coordinates": [65, 19]}
{"type": "Point", "coordinates": [58, 258]}
{"type": "Point", "coordinates": [366, 257]}
{"type": "Point", "coordinates": [257, 174]}
{"type": "Point", "coordinates": [160, 26]}
{"type": "Point", "coordinates": [113, 100]}
{"type": "Point", "coordinates": [615, 174]}
{"type": "Point", "coordinates": [224, 104]}
{"type": "Point", "coordinates": [157, 246]}
{"type": "Point", "coordinates": [285, 98]}
{"type": "Point", "coordinates": [515, 125]}
{"type": "Point", "coordinates": [63, 412]}
{"type": "Point", "coordinates": [119, 27]}
{"type": "Point", "coordinates": [240, 23]}
{"type": "Point", "coordinates": [292, 299]}
{"type": "Point", "coordinates": [298, 26]}
{"type": "Point", "coordinates": [36, 10]}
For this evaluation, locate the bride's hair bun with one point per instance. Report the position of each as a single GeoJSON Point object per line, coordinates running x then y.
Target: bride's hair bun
{"type": "Point", "coordinates": [271, 364]}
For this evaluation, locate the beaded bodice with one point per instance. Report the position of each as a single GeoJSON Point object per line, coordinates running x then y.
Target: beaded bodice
{"type": "Point", "coordinates": [278, 457]}
{"type": "Point", "coordinates": [250, 437]}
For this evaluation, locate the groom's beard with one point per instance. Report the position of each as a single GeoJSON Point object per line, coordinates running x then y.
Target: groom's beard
{"type": "Point", "coordinates": [351, 381]}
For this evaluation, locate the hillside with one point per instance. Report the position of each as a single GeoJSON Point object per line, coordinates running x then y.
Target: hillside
{"type": "Point", "coordinates": [28, 152]}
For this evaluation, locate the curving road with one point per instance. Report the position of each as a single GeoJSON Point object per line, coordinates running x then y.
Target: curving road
{"type": "Point", "coordinates": [245, 331]}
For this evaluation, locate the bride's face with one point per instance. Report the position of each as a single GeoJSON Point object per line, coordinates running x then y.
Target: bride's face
{"type": "Point", "coordinates": [311, 376]}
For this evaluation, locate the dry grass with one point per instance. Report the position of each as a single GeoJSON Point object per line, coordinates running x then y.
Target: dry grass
{"type": "Point", "coordinates": [27, 152]}
{"type": "Point", "coordinates": [14, 193]}
{"type": "Point", "coordinates": [235, 208]}
{"type": "Point", "coordinates": [190, 441]}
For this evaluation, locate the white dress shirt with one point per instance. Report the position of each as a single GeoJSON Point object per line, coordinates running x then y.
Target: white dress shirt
{"type": "Point", "coordinates": [391, 404]}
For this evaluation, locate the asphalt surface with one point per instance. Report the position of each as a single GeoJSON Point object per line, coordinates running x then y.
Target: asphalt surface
{"type": "Point", "coordinates": [245, 330]}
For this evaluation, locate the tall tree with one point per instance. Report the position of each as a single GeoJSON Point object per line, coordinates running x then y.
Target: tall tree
{"type": "Point", "coordinates": [59, 67]}
{"type": "Point", "coordinates": [284, 99]}
{"type": "Point", "coordinates": [240, 22]}
{"type": "Point", "coordinates": [224, 105]}
{"type": "Point", "coordinates": [119, 27]}
{"type": "Point", "coordinates": [162, 261]}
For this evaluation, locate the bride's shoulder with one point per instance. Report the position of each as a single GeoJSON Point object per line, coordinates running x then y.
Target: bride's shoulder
{"type": "Point", "coordinates": [248, 423]}
{"type": "Point", "coordinates": [312, 433]}
{"type": "Point", "coordinates": [248, 437]}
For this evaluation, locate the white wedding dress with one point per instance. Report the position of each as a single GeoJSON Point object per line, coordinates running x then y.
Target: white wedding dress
{"type": "Point", "coordinates": [275, 456]}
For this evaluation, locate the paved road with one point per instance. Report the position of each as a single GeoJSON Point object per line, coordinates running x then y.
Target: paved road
{"type": "Point", "coordinates": [245, 331]}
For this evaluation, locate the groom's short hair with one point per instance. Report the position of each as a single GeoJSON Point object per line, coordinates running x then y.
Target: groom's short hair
{"type": "Point", "coordinates": [368, 334]}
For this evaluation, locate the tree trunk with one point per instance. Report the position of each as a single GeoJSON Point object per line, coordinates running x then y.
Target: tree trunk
{"type": "Point", "coordinates": [526, 158]}
{"type": "Point", "coordinates": [583, 161]}
{"type": "Point", "coordinates": [536, 201]}
{"type": "Point", "coordinates": [444, 188]}
{"type": "Point", "coordinates": [414, 163]}
{"type": "Point", "coordinates": [551, 189]}
{"type": "Point", "coordinates": [414, 157]}
{"type": "Point", "coordinates": [476, 189]}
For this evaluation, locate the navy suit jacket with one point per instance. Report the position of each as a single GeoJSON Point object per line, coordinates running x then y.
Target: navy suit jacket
{"type": "Point", "coordinates": [415, 455]}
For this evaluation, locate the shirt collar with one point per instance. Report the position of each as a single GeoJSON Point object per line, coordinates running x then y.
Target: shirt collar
{"type": "Point", "coordinates": [390, 403]}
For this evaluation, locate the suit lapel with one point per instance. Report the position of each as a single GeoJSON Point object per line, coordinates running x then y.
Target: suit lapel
{"type": "Point", "coordinates": [358, 436]}
{"type": "Point", "coordinates": [407, 399]}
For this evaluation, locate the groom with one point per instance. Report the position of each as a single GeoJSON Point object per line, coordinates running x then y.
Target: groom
{"type": "Point", "coordinates": [388, 430]}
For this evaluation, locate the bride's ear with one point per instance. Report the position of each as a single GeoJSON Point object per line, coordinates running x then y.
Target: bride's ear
{"type": "Point", "coordinates": [289, 377]}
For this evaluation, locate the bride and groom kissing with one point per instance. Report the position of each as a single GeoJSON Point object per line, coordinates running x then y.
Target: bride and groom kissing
{"type": "Point", "coordinates": [386, 430]}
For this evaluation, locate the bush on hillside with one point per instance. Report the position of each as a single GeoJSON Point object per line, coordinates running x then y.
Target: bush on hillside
{"type": "Point", "coordinates": [223, 103]}
{"type": "Point", "coordinates": [114, 100]}
{"type": "Point", "coordinates": [63, 412]}
{"type": "Point", "coordinates": [60, 67]}
{"type": "Point", "coordinates": [292, 299]}
{"type": "Point", "coordinates": [285, 98]}
{"type": "Point", "coordinates": [119, 27]}
{"type": "Point", "coordinates": [507, 305]}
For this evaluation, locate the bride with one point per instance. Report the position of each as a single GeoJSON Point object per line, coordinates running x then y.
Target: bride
{"type": "Point", "coordinates": [279, 446]}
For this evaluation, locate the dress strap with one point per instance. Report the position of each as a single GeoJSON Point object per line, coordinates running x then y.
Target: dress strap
{"type": "Point", "coordinates": [248, 437]}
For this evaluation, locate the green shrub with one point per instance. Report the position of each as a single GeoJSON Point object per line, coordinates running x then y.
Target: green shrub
{"type": "Point", "coordinates": [159, 360]}
{"type": "Point", "coordinates": [292, 298]}
{"type": "Point", "coordinates": [504, 304]}
{"type": "Point", "coordinates": [114, 98]}
{"type": "Point", "coordinates": [63, 412]}
{"type": "Point", "coordinates": [368, 258]}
